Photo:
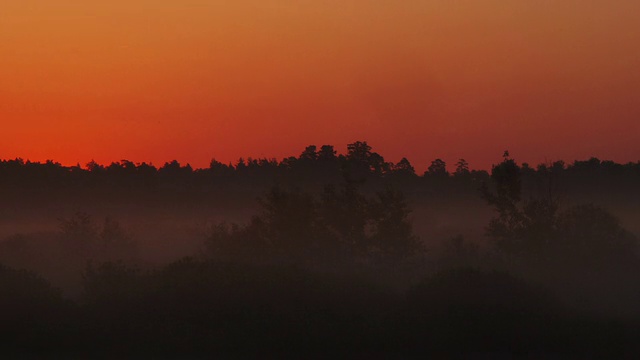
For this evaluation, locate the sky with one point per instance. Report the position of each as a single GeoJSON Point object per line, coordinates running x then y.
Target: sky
{"type": "Point", "coordinates": [156, 80]}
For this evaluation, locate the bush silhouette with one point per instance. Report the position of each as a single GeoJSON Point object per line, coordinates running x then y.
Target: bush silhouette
{"type": "Point", "coordinates": [35, 317]}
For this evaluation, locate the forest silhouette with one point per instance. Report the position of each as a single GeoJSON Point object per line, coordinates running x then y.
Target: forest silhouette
{"type": "Point", "coordinates": [323, 254]}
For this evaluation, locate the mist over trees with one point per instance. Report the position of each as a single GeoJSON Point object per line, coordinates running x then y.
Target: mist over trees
{"type": "Point", "coordinates": [321, 253]}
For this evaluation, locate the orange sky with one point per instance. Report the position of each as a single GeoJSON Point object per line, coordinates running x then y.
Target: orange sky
{"type": "Point", "coordinates": [154, 80]}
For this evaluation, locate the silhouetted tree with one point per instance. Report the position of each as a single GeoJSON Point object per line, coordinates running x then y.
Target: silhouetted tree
{"type": "Point", "coordinates": [345, 213]}
{"type": "Point", "coordinates": [363, 162]}
{"type": "Point", "coordinates": [359, 151]}
{"type": "Point", "coordinates": [219, 169]}
{"type": "Point", "coordinates": [404, 167]}
{"type": "Point", "coordinates": [505, 200]}
{"type": "Point", "coordinates": [289, 218]}
{"type": "Point", "coordinates": [85, 240]}
{"type": "Point", "coordinates": [79, 234]}
{"type": "Point", "coordinates": [94, 167]}
{"type": "Point", "coordinates": [309, 153]}
{"type": "Point", "coordinates": [593, 237]}
{"type": "Point", "coordinates": [462, 168]}
{"type": "Point", "coordinates": [538, 231]}
{"type": "Point", "coordinates": [392, 239]}
{"type": "Point", "coordinates": [115, 242]}
{"type": "Point", "coordinates": [437, 168]}
{"type": "Point", "coordinates": [327, 152]}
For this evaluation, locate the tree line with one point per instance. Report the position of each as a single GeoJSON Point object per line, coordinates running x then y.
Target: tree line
{"type": "Point", "coordinates": [314, 164]}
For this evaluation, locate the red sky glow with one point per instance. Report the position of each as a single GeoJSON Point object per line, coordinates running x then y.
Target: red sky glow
{"type": "Point", "coordinates": [192, 80]}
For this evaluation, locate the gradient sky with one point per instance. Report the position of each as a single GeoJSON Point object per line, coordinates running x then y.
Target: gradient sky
{"type": "Point", "coordinates": [154, 80]}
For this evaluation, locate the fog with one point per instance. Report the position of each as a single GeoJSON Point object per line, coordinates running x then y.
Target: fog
{"type": "Point", "coordinates": [319, 254]}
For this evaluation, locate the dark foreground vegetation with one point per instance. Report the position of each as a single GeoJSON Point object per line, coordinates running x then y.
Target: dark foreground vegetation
{"type": "Point", "coordinates": [328, 264]}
